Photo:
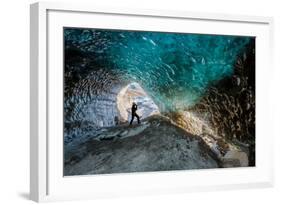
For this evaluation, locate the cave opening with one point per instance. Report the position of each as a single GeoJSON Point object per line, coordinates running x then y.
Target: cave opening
{"type": "Point", "coordinates": [133, 92]}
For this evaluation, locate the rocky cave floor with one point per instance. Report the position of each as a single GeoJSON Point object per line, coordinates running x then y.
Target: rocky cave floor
{"type": "Point", "coordinates": [157, 144]}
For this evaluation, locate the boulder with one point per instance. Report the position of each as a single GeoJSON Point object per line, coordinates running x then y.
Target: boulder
{"type": "Point", "coordinates": [235, 158]}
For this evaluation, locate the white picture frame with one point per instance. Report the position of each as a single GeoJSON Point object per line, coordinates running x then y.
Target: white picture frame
{"type": "Point", "coordinates": [46, 178]}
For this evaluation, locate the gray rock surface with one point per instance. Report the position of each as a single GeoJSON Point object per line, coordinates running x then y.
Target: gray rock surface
{"type": "Point", "coordinates": [155, 145]}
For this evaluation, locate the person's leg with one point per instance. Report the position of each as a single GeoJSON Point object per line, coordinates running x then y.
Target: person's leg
{"type": "Point", "coordinates": [132, 119]}
{"type": "Point", "coordinates": [137, 118]}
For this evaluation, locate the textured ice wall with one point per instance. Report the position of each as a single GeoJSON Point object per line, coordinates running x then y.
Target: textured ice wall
{"type": "Point", "coordinates": [174, 69]}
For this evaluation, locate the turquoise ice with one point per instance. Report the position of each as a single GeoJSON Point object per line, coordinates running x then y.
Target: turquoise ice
{"type": "Point", "coordinates": [174, 69]}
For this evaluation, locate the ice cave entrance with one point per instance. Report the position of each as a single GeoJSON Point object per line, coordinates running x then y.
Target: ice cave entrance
{"type": "Point", "coordinates": [133, 92]}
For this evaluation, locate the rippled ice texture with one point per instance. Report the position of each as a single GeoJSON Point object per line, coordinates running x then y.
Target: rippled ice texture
{"type": "Point", "coordinates": [174, 69]}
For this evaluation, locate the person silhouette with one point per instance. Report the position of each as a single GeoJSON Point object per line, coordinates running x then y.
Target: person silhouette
{"type": "Point", "coordinates": [134, 114]}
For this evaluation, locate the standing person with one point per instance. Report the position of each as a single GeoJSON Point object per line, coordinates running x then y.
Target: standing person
{"type": "Point", "coordinates": [134, 114]}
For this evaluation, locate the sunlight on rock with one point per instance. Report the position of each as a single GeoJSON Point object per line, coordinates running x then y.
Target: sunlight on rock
{"type": "Point", "coordinates": [191, 123]}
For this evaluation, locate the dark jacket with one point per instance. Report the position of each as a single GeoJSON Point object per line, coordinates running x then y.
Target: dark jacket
{"type": "Point", "coordinates": [134, 108]}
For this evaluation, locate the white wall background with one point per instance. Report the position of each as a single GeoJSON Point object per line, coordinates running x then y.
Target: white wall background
{"type": "Point", "coordinates": [14, 102]}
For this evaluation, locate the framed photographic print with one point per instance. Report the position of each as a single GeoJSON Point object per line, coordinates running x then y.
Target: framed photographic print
{"type": "Point", "coordinates": [127, 102]}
